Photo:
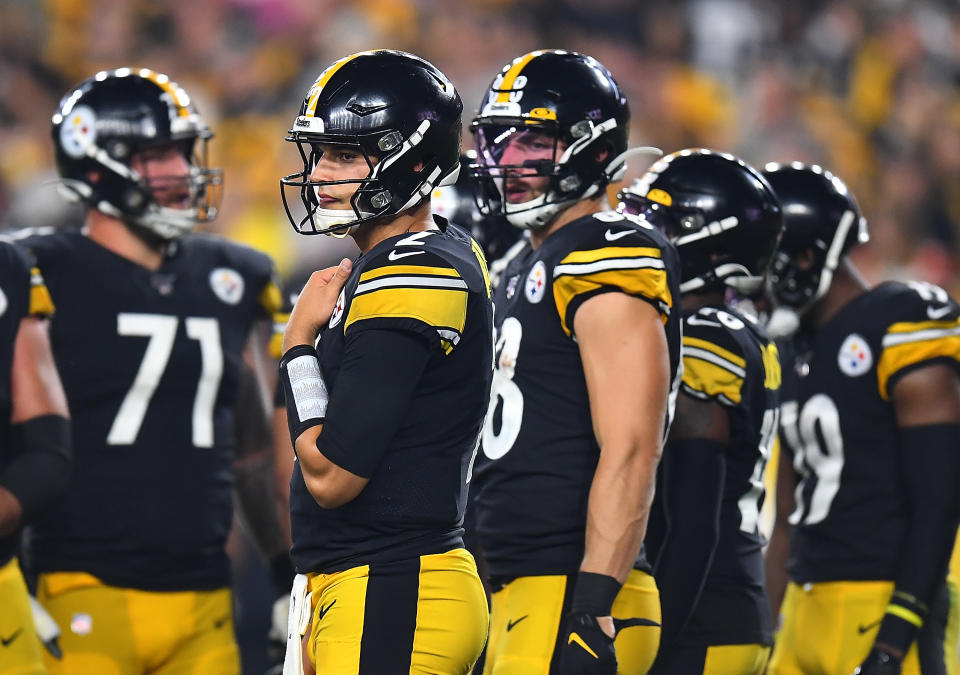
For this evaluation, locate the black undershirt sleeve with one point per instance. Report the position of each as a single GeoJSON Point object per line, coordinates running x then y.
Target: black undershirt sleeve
{"type": "Point", "coordinates": [374, 387]}
{"type": "Point", "coordinates": [692, 483]}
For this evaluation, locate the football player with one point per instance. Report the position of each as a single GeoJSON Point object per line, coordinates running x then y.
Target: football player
{"type": "Point", "coordinates": [873, 429]}
{"type": "Point", "coordinates": [588, 351]}
{"type": "Point", "coordinates": [150, 332]}
{"type": "Point", "coordinates": [386, 372]}
{"type": "Point", "coordinates": [703, 537]}
{"type": "Point", "coordinates": [35, 450]}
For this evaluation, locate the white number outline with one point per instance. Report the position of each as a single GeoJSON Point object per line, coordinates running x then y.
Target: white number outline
{"type": "Point", "coordinates": [496, 445]}
{"type": "Point", "coordinates": [162, 331]}
{"type": "Point", "coordinates": [825, 464]}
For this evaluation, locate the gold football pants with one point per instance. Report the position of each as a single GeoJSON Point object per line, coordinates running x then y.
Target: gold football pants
{"type": "Point", "coordinates": [828, 629]}
{"type": "Point", "coordinates": [121, 631]}
{"type": "Point", "coordinates": [20, 650]}
{"type": "Point", "coordinates": [528, 619]}
{"type": "Point", "coordinates": [419, 616]}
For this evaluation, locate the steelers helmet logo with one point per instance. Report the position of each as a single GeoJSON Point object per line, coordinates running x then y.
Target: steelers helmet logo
{"type": "Point", "coordinates": [78, 132]}
{"type": "Point", "coordinates": [855, 357]}
{"type": "Point", "coordinates": [536, 282]}
{"type": "Point", "coordinates": [3, 303]}
{"type": "Point", "coordinates": [337, 310]}
{"type": "Point", "coordinates": [227, 284]}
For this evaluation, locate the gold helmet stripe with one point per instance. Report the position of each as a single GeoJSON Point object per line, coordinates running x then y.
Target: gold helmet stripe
{"type": "Point", "coordinates": [314, 94]}
{"type": "Point", "coordinates": [511, 75]}
{"type": "Point", "coordinates": [177, 94]}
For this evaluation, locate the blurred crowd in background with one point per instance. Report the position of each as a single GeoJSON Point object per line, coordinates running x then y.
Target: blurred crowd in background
{"type": "Point", "coordinates": [868, 88]}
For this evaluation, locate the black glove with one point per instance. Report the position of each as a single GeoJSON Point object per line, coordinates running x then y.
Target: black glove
{"type": "Point", "coordinates": [586, 650]}
{"type": "Point", "coordinates": [878, 663]}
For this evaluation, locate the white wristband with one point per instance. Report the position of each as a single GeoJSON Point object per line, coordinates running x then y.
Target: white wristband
{"type": "Point", "coordinates": [309, 389]}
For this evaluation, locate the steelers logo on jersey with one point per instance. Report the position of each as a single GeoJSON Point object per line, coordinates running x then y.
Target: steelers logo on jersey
{"type": "Point", "coordinates": [227, 284]}
{"type": "Point", "coordinates": [337, 311]}
{"type": "Point", "coordinates": [537, 282]}
{"type": "Point", "coordinates": [855, 357]}
{"type": "Point", "coordinates": [3, 303]}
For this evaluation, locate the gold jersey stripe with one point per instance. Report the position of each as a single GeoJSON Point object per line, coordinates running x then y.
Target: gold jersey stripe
{"type": "Point", "coordinates": [906, 615]}
{"type": "Point", "coordinates": [899, 356]}
{"type": "Point", "coordinates": [271, 299]}
{"type": "Point", "coordinates": [690, 341]}
{"type": "Point", "coordinates": [314, 94]}
{"type": "Point", "coordinates": [437, 307]}
{"type": "Point", "coordinates": [647, 282]}
{"type": "Point", "coordinates": [710, 379]}
{"type": "Point", "coordinates": [511, 75]}
{"type": "Point", "coordinates": [407, 270]}
{"type": "Point", "coordinates": [609, 252]}
{"type": "Point", "coordinates": [41, 304]}
{"type": "Point", "coordinates": [915, 326]}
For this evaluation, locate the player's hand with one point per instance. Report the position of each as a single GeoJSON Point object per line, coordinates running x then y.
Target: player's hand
{"type": "Point", "coordinates": [315, 305]}
{"type": "Point", "coordinates": [587, 649]}
{"type": "Point", "coordinates": [878, 662]}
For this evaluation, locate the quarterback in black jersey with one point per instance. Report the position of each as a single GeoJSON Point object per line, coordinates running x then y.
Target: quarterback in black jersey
{"type": "Point", "coordinates": [873, 427]}
{"type": "Point", "coordinates": [151, 328]}
{"type": "Point", "coordinates": [386, 373]}
{"type": "Point", "coordinates": [588, 355]}
{"type": "Point", "coordinates": [703, 537]}
{"type": "Point", "coordinates": [34, 442]}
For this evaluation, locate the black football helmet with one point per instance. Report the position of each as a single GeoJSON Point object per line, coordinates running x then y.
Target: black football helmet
{"type": "Point", "coordinates": [400, 112]}
{"type": "Point", "coordinates": [719, 212]}
{"type": "Point", "coordinates": [821, 216]}
{"type": "Point", "coordinates": [108, 118]}
{"type": "Point", "coordinates": [562, 96]}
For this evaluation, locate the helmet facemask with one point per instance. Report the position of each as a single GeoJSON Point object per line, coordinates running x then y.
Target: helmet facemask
{"type": "Point", "coordinates": [539, 151]}
{"type": "Point", "coordinates": [396, 166]}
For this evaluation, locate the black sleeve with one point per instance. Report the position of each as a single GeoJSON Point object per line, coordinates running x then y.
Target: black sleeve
{"type": "Point", "coordinates": [692, 490]}
{"type": "Point", "coordinates": [930, 465]}
{"type": "Point", "coordinates": [379, 373]}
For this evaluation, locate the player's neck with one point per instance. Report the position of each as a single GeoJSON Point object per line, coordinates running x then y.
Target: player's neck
{"type": "Point", "coordinates": [847, 285]}
{"type": "Point", "coordinates": [412, 220]}
{"type": "Point", "coordinates": [117, 237]}
{"type": "Point", "coordinates": [584, 207]}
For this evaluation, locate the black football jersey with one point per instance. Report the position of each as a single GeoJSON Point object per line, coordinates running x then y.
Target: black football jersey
{"type": "Point", "coordinates": [841, 429]}
{"type": "Point", "coordinates": [150, 362]}
{"type": "Point", "coordinates": [22, 294]}
{"type": "Point", "coordinates": [433, 283]}
{"type": "Point", "coordinates": [729, 359]}
{"type": "Point", "coordinates": [538, 451]}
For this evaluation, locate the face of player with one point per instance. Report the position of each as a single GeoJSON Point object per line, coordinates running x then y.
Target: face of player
{"type": "Point", "coordinates": [524, 149]}
{"type": "Point", "coordinates": [338, 163]}
{"type": "Point", "coordinates": [166, 169]}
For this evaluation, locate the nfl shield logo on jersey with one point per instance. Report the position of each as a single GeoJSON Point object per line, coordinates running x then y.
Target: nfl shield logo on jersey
{"type": "Point", "coordinates": [855, 357]}
{"type": "Point", "coordinates": [537, 282]}
{"type": "Point", "coordinates": [227, 284]}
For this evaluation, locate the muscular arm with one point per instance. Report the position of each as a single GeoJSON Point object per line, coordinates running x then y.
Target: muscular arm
{"type": "Point", "coordinates": [926, 402]}
{"type": "Point", "coordinates": [694, 466]}
{"type": "Point", "coordinates": [626, 366]}
{"type": "Point", "coordinates": [778, 550]}
{"type": "Point", "coordinates": [37, 392]}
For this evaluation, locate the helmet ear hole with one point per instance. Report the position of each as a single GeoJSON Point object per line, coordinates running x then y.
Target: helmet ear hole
{"type": "Point", "coordinates": [135, 199]}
